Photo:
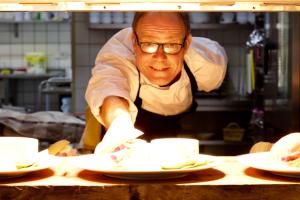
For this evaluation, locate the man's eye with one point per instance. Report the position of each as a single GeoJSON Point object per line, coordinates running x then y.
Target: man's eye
{"type": "Point", "coordinates": [148, 44]}
{"type": "Point", "coordinates": [171, 46]}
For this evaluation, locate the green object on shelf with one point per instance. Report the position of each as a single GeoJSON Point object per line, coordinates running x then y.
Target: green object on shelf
{"type": "Point", "coordinates": [36, 62]}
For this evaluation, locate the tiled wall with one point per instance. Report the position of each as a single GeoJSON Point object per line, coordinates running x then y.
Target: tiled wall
{"type": "Point", "coordinates": [17, 39]}
{"type": "Point", "coordinates": [88, 42]}
{"type": "Point", "coordinates": [52, 38]}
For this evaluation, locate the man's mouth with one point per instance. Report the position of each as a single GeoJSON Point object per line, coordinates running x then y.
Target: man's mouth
{"type": "Point", "coordinates": [159, 69]}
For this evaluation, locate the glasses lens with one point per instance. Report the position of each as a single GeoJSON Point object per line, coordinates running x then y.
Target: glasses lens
{"type": "Point", "coordinates": [172, 48]}
{"type": "Point", "coordinates": [149, 47]}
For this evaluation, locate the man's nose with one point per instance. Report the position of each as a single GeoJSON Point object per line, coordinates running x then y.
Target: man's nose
{"type": "Point", "coordinates": [160, 52]}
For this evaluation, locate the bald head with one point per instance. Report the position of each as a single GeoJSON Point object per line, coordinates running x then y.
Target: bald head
{"type": "Point", "coordinates": [179, 18]}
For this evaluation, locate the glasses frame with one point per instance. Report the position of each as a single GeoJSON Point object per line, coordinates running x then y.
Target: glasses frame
{"type": "Point", "coordinates": [160, 44]}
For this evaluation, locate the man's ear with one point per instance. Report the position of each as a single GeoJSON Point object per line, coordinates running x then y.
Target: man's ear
{"type": "Point", "coordinates": [188, 41]}
{"type": "Point", "coordinates": [134, 42]}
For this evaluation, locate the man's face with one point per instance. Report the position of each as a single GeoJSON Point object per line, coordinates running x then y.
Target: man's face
{"type": "Point", "coordinates": [159, 67]}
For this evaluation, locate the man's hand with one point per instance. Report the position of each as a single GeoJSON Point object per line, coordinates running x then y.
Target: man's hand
{"type": "Point", "coordinates": [119, 132]}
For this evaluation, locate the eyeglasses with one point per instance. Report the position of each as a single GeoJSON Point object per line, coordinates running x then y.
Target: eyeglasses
{"type": "Point", "coordinates": [168, 48]}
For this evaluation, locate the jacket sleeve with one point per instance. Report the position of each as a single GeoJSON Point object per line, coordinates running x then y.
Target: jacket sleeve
{"type": "Point", "coordinates": [114, 74]}
{"type": "Point", "coordinates": [208, 62]}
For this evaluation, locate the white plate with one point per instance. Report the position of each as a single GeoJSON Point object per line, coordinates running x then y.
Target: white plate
{"type": "Point", "coordinates": [264, 161]}
{"type": "Point", "coordinates": [89, 162]}
{"type": "Point", "coordinates": [43, 162]}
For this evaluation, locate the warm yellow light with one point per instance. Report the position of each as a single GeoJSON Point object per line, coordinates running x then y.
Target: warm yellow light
{"type": "Point", "coordinates": [150, 5]}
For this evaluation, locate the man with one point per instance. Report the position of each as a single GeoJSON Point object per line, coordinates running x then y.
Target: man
{"type": "Point", "coordinates": [145, 77]}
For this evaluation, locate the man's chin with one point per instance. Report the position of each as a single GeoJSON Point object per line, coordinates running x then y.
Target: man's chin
{"type": "Point", "coordinates": [160, 82]}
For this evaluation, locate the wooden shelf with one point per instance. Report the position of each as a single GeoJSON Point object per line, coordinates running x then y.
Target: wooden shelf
{"type": "Point", "coordinates": [193, 26]}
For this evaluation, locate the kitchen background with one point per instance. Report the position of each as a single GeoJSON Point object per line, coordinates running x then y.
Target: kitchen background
{"type": "Point", "coordinates": [71, 41]}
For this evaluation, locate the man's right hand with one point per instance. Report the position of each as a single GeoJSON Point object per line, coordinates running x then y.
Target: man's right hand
{"type": "Point", "coordinates": [119, 132]}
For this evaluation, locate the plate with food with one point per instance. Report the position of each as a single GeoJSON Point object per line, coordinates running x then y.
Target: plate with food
{"type": "Point", "coordinates": [266, 161]}
{"type": "Point", "coordinates": [145, 170]}
{"type": "Point", "coordinates": [19, 156]}
{"type": "Point", "coordinates": [159, 159]}
{"type": "Point", "coordinates": [282, 159]}
{"type": "Point", "coordinates": [43, 161]}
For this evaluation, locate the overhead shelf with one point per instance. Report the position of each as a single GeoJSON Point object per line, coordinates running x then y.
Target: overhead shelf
{"type": "Point", "coordinates": [193, 26]}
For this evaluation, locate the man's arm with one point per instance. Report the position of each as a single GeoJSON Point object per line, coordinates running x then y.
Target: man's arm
{"type": "Point", "coordinates": [111, 108]}
{"type": "Point", "coordinates": [114, 75]}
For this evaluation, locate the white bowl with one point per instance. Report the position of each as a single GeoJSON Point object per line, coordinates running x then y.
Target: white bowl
{"type": "Point", "coordinates": [17, 151]}
{"type": "Point", "coordinates": [174, 151]}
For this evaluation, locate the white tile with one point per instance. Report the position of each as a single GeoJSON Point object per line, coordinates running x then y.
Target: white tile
{"type": "Point", "coordinates": [64, 37]}
{"type": "Point", "coordinates": [52, 63]}
{"type": "Point", "coordinates": [52, 37]}
{"type": "Point", "coordinates": [5, 61]}
{"type": "Point", "coordinates": [65, 50]}
{"type": "Point", "coordinates": [16, 49]}
{"type": "Point", "coordinates": [52, 27]}
{"type": "Point", "coordinates": [4, 49]}
{"type": "Point", "coordinates": [4, 27]}
{"type": "Point", "coordinates": [27, 27]}
{"type": "Point", "coordinates": [28, 37]}
{"type": "Point", "coordinates": [40, 27]}
{"type": "Point", "coordinates": [65, 63]}
{"type": "Point", "coordinates": [65, 27]}
{"type": "Point", "coordinates": [5, 37]}
{"type": "Point", "coordinates": [28, 48]}
{"type": "Point", "coordinates": [16, 63]}
{"type": "Point", "coordinates": [40, 37]}
{"type": "Point", "coordinates": [16, 40]}
{"type": "Point", "coordinates": [40, 47]}
{"type": "Point", "coordinates": [52, 49]}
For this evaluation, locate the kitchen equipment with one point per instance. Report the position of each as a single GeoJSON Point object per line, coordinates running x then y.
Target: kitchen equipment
{"type": "Point", "coordinates": [53, 86]}
{"type": "Point", "coordinates": [232, 132]}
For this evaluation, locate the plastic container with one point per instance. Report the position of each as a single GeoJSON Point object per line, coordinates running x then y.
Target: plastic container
{"type": "Point", "coordinates": [36, 62]}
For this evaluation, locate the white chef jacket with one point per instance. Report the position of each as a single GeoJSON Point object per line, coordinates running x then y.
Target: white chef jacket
{"type": "Point", "coordinates": [115, 74]}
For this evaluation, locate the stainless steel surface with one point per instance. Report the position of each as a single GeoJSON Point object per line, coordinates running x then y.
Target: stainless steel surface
{"type": "Point", "coordinates": [53, 86]}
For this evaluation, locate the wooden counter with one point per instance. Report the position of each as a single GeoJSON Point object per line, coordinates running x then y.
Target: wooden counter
{"type": "Point", "coordinates": [229, 180]}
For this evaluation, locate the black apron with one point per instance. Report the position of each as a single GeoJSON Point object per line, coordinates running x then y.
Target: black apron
{"type": "Point", "coordinates": [159, 126]}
